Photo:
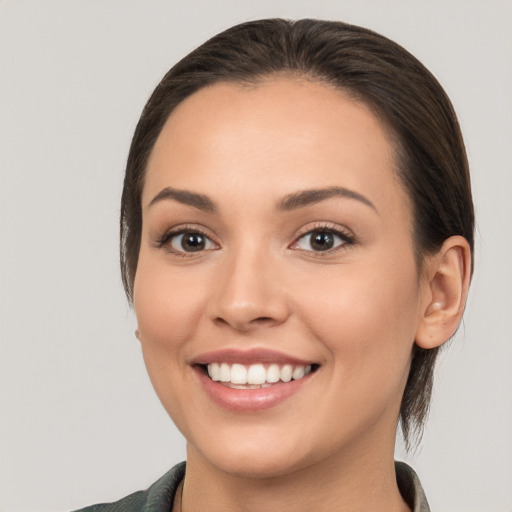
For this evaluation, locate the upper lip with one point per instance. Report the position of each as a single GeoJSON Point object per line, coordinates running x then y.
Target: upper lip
{"type": "Point", "coordinates": [250, 356]}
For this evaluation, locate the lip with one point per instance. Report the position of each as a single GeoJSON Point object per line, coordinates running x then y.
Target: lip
{"type": "Point", "coordinates": [252, 356]}
{"type": "Point", "coordinates": [248, 400]}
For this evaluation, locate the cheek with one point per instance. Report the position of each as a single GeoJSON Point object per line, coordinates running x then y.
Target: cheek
{"type": "Point", "coordinates": [366, 317]}
{"type": "Point", "coordinates": [167, 306]}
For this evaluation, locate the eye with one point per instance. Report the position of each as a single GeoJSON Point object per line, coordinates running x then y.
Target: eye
{"type": "Point", "coordinates": [322, 240]}
{"type": "Point", "coordinates": [187, 242]}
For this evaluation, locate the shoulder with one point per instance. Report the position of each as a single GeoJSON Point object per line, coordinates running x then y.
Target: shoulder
{"type": "Point", "coordinates": [410, 488]}
{"type": "Point", "coordinates": [157, 497]}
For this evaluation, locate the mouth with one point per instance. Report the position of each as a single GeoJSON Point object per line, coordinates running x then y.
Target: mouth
{"type": "Point", "coordinates": [255, 376]}
{"type": "Point", "coordinates": [251, 380]}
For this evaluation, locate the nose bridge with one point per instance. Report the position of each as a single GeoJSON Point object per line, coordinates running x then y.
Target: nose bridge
{"type": "Point", "coordinates": [248, 291]}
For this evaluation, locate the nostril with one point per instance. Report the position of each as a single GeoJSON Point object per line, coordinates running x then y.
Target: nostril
{"type": "Point", "coordinates": [263, 320]}
{"type": "Point", "coordinates": [243, 325]}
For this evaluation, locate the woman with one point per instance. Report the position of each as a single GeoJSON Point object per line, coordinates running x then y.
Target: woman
{"type": "Point", "coordinates": [296, 239]}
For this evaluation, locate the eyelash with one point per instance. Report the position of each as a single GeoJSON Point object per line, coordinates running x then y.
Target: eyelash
{"type": "Point", "coordinates": [164, 241]}
{"type": "Point", "coordinates": [347, 239]}
{"type": "Point", "coordinates": [345, 236]}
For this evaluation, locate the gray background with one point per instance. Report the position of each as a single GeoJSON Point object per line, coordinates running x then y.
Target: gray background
{"type": "Point", "coordinates": [79, 420]}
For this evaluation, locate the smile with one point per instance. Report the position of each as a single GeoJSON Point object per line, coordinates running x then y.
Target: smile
{"type": "Point", "coordinates": [248, 381]}
{"type": "Point", "coordinates": [255, 376]}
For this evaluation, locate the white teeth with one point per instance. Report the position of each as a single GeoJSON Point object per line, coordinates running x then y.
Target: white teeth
{"type": "Point", "coordinates": [298, 372]}
{"type": "Point", "coordinates": [225, 373]}
{"type": "Point", "coordinates": [214, 371]}
{"type": "Point", "coordinates": [286, 373]}
{"type": "Point", "coordinates": [273, 373]}
{"type": "Point", "coordinates": [255, 375]}
{"type": "Point", "coordinates": [238, 374]}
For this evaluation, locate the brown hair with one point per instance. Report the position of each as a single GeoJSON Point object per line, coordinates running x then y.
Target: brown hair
{"type": "Point", "coordinates": [431, 158]}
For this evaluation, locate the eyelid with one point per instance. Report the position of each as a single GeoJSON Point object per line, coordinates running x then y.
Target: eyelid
{"type": "Point", "coordinates": [163, 241]}
{"type": "Point", "coordinates": [328, 227]}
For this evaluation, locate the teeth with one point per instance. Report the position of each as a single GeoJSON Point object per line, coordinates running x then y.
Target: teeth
{"type": "Point", "coordinates": [273, 373]}
{"type": "Point", "coordinates": [298, 372]}
{"type": "Point", "coordinates": [255, 376]}
{"type": "Point", "coordinates": [286, 373]}
{"type": "Point", "coordinates": [225, 373]}
{"type": "Point", "coordinates": [238, 374]}
{"type": "Point", "coordinates": [214, 371]}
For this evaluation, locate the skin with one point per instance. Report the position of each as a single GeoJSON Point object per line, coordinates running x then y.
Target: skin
{"type": "Point", "coordinates": [355, 310]}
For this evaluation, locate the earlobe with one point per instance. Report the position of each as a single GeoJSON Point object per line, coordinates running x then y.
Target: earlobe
{"type": "Point", "coordinates": [449, 275]}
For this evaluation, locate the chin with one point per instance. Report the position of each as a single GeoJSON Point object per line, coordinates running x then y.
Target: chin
{"type": "Point", "coordinates": [257, 454]}
{"type": "Point", "coordinates": [257, 465]}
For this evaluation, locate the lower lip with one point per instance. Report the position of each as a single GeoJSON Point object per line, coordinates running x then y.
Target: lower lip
{"type": "Point", "coordinates": [250, 399]}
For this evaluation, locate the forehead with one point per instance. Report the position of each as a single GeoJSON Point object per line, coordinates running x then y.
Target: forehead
{"type": "Point", "coordinates": [280, 133]}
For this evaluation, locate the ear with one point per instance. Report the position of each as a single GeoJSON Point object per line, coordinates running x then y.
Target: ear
{"type": "Point", "coordinates": [447, 277]}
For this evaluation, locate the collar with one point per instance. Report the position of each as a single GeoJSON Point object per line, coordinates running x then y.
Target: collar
{"type": "Point", "coordinates": [410, 488]}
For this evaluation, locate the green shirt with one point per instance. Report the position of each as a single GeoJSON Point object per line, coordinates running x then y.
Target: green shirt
{"type": "Point", "coordinates": [160, 496]}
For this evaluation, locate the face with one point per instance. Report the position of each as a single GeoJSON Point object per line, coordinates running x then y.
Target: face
{"type": "Point", "coordinates": [276, 293]}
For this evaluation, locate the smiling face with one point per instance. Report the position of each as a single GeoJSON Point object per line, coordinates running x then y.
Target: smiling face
{"type": "Point", "coordinates": [277, 239]}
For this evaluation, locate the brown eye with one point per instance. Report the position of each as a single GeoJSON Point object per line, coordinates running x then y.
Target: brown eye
{"type": "Point", "coordinates": [190, 242]}
{"type": "Point", "coordinates": [321, 240]}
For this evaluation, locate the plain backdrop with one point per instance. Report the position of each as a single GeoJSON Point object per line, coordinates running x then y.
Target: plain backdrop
{"type": "Point", "coordinates": [79, 420]}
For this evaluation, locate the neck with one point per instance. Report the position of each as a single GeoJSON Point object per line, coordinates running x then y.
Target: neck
{"type": "Point", "coordinates": [359, 481]}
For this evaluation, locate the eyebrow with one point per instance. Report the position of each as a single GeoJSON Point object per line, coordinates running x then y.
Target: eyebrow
{"type": "Point", "coordinates": [288, 203]}
{"type": "Point", "coordinates": [308, 197]}
{"type": "Point", "coordinates": [199, 201]}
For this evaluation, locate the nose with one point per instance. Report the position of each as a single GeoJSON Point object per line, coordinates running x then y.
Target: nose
{"type": "Point", "coordinates": [248, 294]}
